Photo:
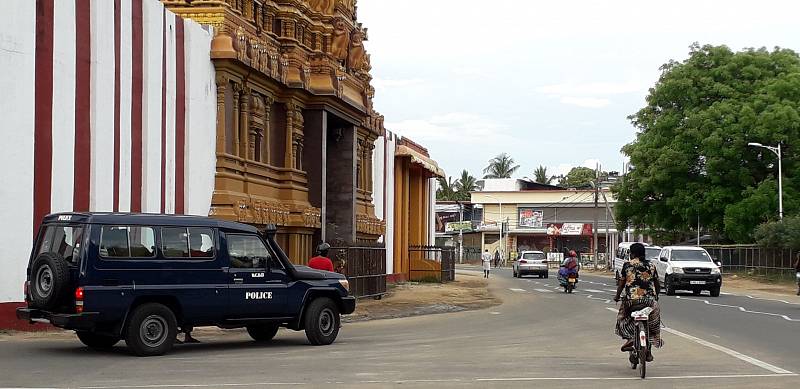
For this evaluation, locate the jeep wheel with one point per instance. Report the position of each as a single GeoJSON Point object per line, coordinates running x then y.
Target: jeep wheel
{"type": "Point", "coordinates": [97, 341]}
{"type": "Point", "coordinates": [322, 321]}
{"type": "Point", "coordinates": [263, 332]}
{"type": "Point", "coordinates": [151, 330]}
{"type": "Point", "coordinates": [670, 288]}
{"type": "Point", "coordinates": [49, 281]}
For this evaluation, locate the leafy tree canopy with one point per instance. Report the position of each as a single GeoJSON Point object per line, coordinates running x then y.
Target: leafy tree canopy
{"type": "Point", "coordinates": [691, 158]}
{"type": "Point", "coordinates": [458, 190]}
{"type": "Point", "coordinates": [501, 166]}
{"type": "Point", "coordinates": [579, 177]}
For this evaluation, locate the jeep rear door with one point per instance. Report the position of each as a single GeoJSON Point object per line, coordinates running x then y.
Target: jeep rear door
{"type": "Point", "coordinates": [257, 288]}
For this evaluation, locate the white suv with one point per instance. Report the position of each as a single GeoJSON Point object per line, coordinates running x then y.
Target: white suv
{"type": "Point", "coordinates": [623, 254]}
{"type": "Point", "coordinates": [688, 268]}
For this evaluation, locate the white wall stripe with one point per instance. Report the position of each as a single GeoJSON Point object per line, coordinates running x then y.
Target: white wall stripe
{"type": "Point", "coordinates": [17, 67]}
{"type": "Point", "coordinates": [152, 15]}
{"type": "Point", "coordinates": [101, 197]}
{"type": "Point", "coordinates": [63, 106]}
{"type": "Point", "coordinates": [125, 74]}
{"type": "Point", "coordinates": [201, 95]}
{"type": "Point", "coordinates": [169, 181]}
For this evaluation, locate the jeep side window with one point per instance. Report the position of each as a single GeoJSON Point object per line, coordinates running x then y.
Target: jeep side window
{"type": "Point", "coordinates": [127, 242]}
{"type": "Point", "coordinates": [195, 242]}
{"type": "Point", "coordinates": [247, 251]}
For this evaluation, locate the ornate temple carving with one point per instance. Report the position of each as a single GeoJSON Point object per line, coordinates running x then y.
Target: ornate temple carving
{"type": "Point", "coordinates": [356, 56]}
{"type": "Point", "coordinates": [341, 40]}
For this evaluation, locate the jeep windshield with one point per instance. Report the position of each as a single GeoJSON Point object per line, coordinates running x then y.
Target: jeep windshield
{"type": "Point", "coordinates": [690, 255]}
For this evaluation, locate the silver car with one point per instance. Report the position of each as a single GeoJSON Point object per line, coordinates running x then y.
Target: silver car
{"type": "Point", "coordinates": [530, 262]}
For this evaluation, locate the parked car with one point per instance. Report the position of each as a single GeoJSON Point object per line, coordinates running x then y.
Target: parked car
{"type": "Point", "coordinates": [142, 277]}
{"type": "Point", "coordinates": [688, 268]}
{"type": "Point", "coordinates": [530, 262]}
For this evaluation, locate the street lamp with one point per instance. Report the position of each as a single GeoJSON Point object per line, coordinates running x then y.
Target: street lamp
{"type": "Point", "coordinates": [502, 246]}
{"type": "Point", "coordinates": [777, 151]}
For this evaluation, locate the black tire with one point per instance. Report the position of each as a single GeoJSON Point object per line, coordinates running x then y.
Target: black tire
{"type": "Point", "coordinates": [546, 275]}
{"type": "Point", "coordinates": [97, 341]}
{"type": "Point", "coordinates": [642, 362]}
{"type": "Point", "coordinates": [569, 287]}
{"type": "Point", "coordinates": [151, 330]}
{"type": "Point", "coordinates": [670, 288]}
{"type": "Point", "coordinates": [49, 281]}
{"type": "Point", "coordinates": [263, 332]}
{"type": "Point", "coordinates": [322, 321]}
{"type": "Point", "coordinates": [715, 292]}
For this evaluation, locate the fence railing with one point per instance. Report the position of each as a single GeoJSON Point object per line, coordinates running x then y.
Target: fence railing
{"type": "Point", "coordinates": [432, 263]}
{"type": "Point", "coordinates": [364, 267]}
{"type": "Point", "coordinates": [753, 258]}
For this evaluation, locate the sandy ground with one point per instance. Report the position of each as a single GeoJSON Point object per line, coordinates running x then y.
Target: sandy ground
{"type": "Point", "coordinates": [469, 291]}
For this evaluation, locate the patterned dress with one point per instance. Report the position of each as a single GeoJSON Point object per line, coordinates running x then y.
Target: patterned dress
{"type": "Point", "coordinates": [640, 291]}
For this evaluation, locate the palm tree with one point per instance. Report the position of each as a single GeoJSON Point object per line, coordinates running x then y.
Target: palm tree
{"type": "Point", "coordinates": [467, 183]}
{"type": "Point", "coordinates": [540, 175]}
{"type": "Point", "coordinates": [501, 166]}
{"type": "Point", "coordinates": [447, 190]}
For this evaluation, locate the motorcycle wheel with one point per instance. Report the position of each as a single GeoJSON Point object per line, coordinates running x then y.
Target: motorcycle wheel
{"type": "Point", "coordinates": [643, 363]}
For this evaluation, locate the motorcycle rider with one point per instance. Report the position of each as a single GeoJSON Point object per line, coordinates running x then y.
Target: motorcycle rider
{"type": "Point", "coordinates": [639, 281]}
{"type": "Point", "coordinates": [569, 265]}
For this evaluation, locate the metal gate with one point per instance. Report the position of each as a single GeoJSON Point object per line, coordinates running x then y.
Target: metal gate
{"type": "Point", "coordinates": [432, 263]}
{"type": "Point", "coordinates": [364, 266]}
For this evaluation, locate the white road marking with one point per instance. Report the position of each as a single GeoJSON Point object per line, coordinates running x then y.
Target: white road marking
{"type": "Point", "coordinates": [733, 353]}
{"type": "Point", "coordinates": [611, 290]}
{"type": "Point", "coordinates": [632, 378]}
{"type": "Point", "coordinates": [594, 290]}
{"type": "Point", "coordinates": [518, 290]}
{"type": "Point", "coordinates": [544, 290]}
{"type": "Point", "coordinates": [742, 309]}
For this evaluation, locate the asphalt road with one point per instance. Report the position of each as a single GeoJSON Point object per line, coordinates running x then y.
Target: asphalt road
{"type": "Point", "coordinates": [538, 337]}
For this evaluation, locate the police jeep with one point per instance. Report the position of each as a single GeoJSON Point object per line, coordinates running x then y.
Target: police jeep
{"type": "Point", "coordinates": [145, 277]}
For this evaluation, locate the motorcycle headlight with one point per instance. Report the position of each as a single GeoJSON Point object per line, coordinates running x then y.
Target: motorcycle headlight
{"type": "Point", "coordinates": [677, 270]}
{"type": "Point", "coordinates": [345, 284]}
{"type": "Point", "coordinates": [715, 270]}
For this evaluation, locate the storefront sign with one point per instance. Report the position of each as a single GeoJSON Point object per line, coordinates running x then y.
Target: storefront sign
{"type": "Point", "coordinates": [458, 226]}
{"type": "Point", "coordinates": [530, 218]}
{"type": "Point", "coordinates": [569, 229]}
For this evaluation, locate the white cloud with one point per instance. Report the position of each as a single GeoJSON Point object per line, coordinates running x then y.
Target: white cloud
{"type": "Point", "coordinates": [453, 127]}
{"type": "Point", "coordinates": [593, 88]}
{"type": "Point", "coordinates": [467, 71]}
{"type": "Point", "coordinates": [586, 102]}
{"type": "Point", "coordinates": [381, 83]}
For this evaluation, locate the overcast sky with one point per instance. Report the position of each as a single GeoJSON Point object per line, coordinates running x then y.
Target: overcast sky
{"type": "Point", "coordinates": [549, 82]}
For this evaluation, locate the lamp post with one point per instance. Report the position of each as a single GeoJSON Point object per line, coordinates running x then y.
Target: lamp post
{"type": "Point", "coordinates": [502, 246]}
{"type": "Point", "coordinates": [777, 151]}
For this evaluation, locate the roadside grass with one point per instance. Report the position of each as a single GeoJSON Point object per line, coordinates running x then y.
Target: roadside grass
{"type": "Point", "coordinates": [764, 276]}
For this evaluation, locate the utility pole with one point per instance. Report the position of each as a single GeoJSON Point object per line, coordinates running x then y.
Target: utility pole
{"type": "Point", "coordinates": [698, 229]}
{"type": "Point", "coordinates": [594, 226]}
{"type": "Point", "coordinates": [460, 232]}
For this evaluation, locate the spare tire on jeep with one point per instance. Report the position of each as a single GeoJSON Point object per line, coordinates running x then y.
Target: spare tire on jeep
{"type": "Point", "coordinates": [49, 281]}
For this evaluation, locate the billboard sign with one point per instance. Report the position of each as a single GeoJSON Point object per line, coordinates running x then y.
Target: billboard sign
{"type": "Point", "coordinates": [530, 218]}
{"type": "Point", "coordinates": [569, 229]}
{"type": "Point", "coordinates": [458, 226]}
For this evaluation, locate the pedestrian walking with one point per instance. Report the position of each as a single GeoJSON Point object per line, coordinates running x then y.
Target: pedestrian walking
{"type": "Point", "coordinates": [797, 274]}
{"type": "Point", "coordinates": [487, 263]}
{"type": "Point", "coordinates": [496, 258]}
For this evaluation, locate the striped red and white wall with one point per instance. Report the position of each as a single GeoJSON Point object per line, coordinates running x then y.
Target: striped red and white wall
{"type": "Point", "coordinates": [106, 105]}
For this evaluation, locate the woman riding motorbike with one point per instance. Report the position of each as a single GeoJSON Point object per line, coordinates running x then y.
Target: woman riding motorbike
{"type": "Point", "coordinates": [570, 265]}
{"type": "Point", "coordinates": [639, 281]}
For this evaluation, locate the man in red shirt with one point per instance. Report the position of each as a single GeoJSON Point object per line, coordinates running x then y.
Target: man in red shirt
{"type": "Point", "coordinates": [321, 261]}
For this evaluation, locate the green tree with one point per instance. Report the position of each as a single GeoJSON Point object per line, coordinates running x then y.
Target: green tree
{"type": "Point", "coordinates": [501, 166]}
{"type": "Point", "coordinates": [447, 190]}
{"type": "Point", "coordinates": [579, 177]}
{"type": "Point", "coordinates": [540, 175]}
{"type": "Point", "coordinates": [690, 158]}
{"type": "Point", "coordinates": [464, 185]}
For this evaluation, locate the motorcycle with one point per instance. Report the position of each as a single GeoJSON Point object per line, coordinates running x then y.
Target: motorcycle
{"type": "Point", "coordinates": [637, 355]}
{"type": "Point", "coordinates": [568, 278]}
